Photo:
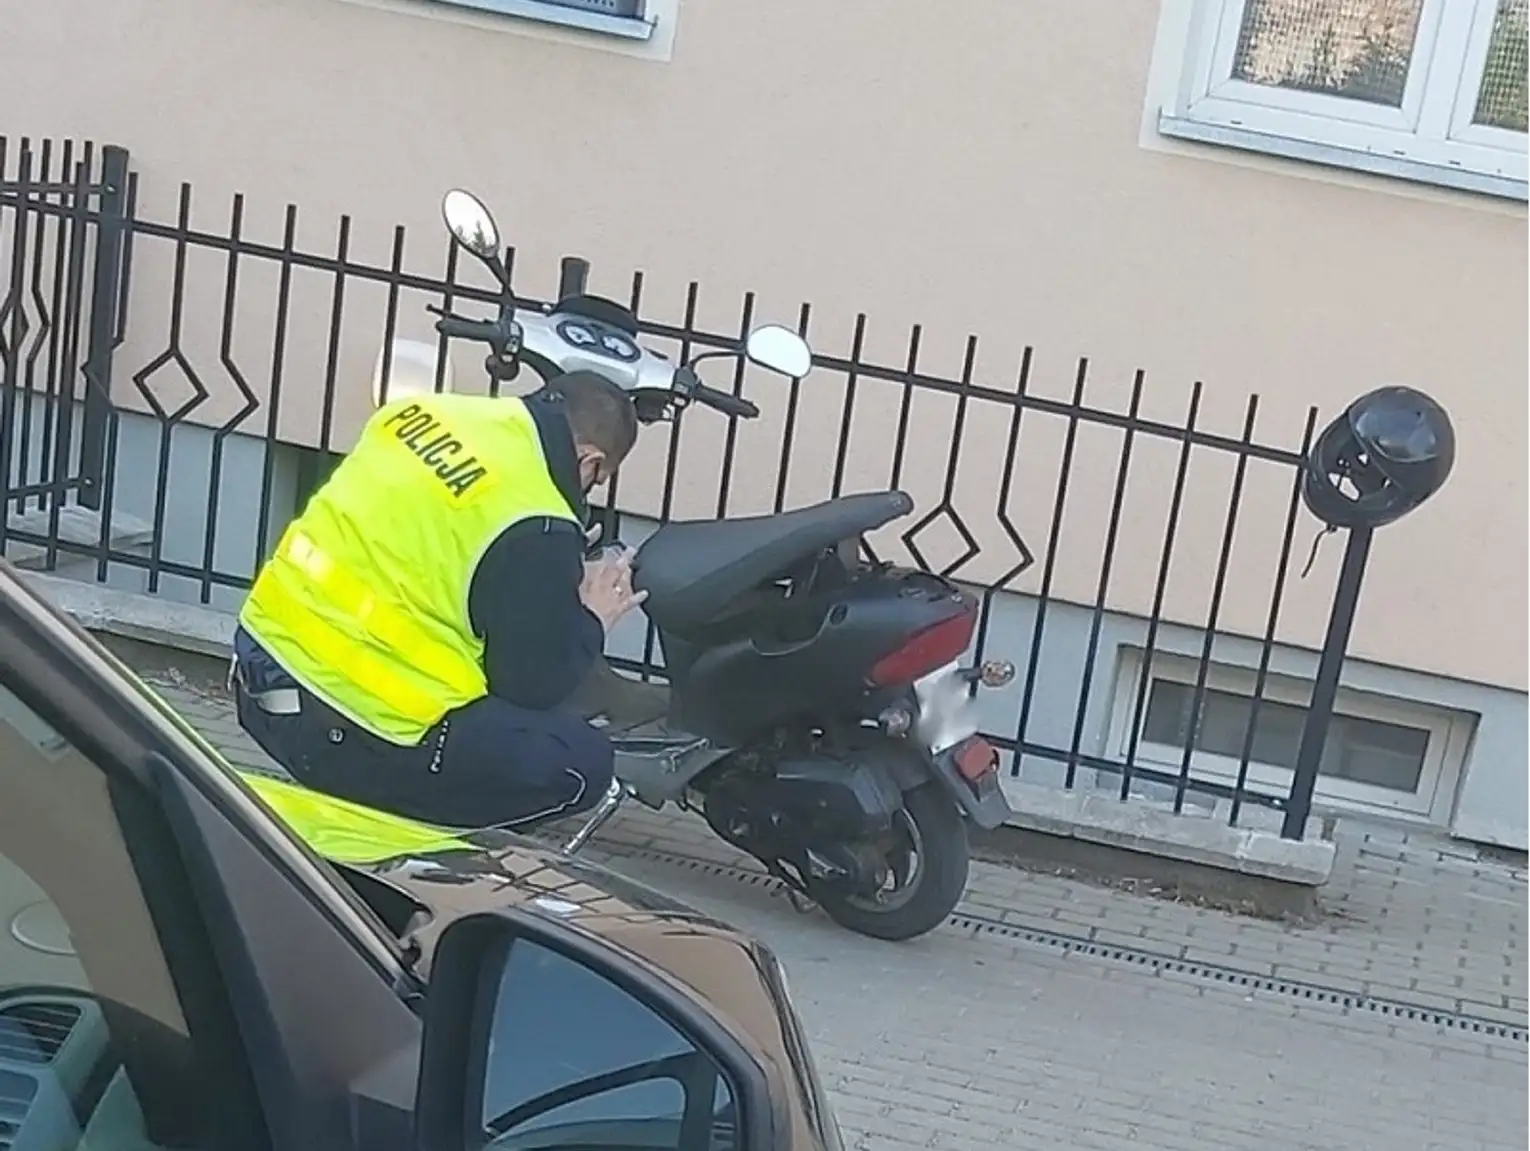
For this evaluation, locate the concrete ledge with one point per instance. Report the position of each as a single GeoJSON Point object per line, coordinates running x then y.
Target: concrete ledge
{"type": "Point", "coordinates": [148, 619]}
{"type": "Point", "coordinates": [1093, 832]}
{"type": "Point", "coordinates": [75, 525]}
{"type": "Point", "coordinates": [1138, 826]}
{"type": "Point", "coordinates": [1139, 871]}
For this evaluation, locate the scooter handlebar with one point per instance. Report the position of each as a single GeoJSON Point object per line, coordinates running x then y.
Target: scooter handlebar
{"type": "Point", "coordinates": [461, 328]}
{"type": "Point", "coordinates": [725, 402]}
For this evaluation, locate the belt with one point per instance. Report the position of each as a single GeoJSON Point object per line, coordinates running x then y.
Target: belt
{"type": "Point", "coordinates": [277, 701]}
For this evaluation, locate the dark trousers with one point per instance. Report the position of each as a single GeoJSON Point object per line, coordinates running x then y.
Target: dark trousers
{"type": "Point", "coordinates": [489, 764]}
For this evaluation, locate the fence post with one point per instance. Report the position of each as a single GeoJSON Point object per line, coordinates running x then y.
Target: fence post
{"type": "Point", "coordinates": [1341, 619]}
{"type": "Point", "coordinates": [107, 286]}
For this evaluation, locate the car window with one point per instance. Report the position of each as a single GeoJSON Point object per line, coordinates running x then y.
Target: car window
{"type": "Point", "coordinates": [83, 980]}
{"type": "Point", "coordinates": [576, 1061]}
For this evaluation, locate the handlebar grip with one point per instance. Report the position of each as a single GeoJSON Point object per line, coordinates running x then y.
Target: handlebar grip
{"type": "Point", "coordinates": [458, 328]}
{"type": "Point", "coordinates": [725, 402]}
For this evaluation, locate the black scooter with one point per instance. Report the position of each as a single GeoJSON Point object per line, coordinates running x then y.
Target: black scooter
{"type": "Point", "coordinates": [818, 712]}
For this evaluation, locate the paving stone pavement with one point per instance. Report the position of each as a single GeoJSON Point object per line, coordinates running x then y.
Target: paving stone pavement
{"type": "Point", "coordinates": [971, 1039]}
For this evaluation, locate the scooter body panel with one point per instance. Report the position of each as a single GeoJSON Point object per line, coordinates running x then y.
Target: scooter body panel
{"type": "Point", "coordinates": [806, 660]}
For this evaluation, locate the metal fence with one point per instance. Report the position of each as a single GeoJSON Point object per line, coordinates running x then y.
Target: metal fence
{"type": "Point", "coordinates": [70, 238]}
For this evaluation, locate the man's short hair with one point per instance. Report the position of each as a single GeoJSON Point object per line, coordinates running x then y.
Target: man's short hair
{"type": "Point", "coordinates": [599, 413]}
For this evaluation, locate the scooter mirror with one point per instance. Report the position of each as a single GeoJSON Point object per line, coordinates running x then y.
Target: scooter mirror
{"type": "Point", "coordinates": [470, 223]}
{"type": "Point", "coordinates": [411, 371]}
{"type": "Point", "coordinates": [779, 349]}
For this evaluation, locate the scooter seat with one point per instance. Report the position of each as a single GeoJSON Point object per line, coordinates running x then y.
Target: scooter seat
{"type": "Point", "coordinates": [693, 570]}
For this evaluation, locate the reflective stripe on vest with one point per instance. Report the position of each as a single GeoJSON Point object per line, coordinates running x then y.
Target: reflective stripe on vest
{"type": "Point", "coordinates": [345, 832]}
{"type": "Point", "coordinates": [365, 602]}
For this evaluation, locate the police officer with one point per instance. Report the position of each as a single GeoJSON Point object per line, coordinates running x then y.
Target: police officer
{"type": "Point", "coordinates": [414, 641]}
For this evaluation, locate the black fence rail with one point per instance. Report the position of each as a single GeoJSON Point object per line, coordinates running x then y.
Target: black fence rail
{"type": "Point", "coordinates": [59, 320]}
{"type": "Point", "coordinates": [1123, 501]}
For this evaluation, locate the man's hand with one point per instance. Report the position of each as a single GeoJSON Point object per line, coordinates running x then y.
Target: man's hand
{"type": "Point", "coordinates": [607, 587]}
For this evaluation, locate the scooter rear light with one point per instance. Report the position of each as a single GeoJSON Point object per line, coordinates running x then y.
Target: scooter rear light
{"type": "Point", "coordinates": [924, 651]}
{"type": "Point", "coordinates": [976, 758]}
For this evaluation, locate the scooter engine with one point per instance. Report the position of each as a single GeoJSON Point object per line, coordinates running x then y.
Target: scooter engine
{"type": "Point", "coordinates": [822, 816]}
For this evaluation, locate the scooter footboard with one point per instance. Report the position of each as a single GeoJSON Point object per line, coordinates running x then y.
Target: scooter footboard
{"type": "Point", "coordinates": [658, 766]}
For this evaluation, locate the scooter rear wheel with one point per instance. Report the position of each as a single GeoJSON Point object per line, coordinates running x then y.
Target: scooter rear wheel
{"type": "Point", "coordinates": [933, 836]}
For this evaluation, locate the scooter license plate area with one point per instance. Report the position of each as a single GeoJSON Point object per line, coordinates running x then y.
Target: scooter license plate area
{"type": "Point", "coordinates": [947, 715]}
{"type": "Point", "coordinates": [971, 771]}
{"type": "Point", "coordinates": [976, 760]}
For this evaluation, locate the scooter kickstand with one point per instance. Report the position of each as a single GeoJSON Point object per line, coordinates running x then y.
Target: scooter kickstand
{"type": "Point", "coordinates": [609, 802]}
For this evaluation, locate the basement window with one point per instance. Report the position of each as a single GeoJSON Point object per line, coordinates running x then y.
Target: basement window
{"type": "Point", "coordinates": [1384, 754]}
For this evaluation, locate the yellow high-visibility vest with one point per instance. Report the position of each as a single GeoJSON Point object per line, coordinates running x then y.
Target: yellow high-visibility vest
{"type": "Point", "coordinates": [365, 602]}
{"type": "Point", "coordinates": [346, 832]}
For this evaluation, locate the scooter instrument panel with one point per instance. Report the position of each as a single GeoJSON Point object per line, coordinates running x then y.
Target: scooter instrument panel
{"type": "Point", "coordinates": [568, 341]}
{"type": "Point", "coordinates": [595, 338]}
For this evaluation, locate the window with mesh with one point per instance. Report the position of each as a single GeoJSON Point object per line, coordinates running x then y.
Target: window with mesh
{"type": "Point", "coordinates": [1501, 101]}
{"type": "Point", "coordinates": [1355, 49]}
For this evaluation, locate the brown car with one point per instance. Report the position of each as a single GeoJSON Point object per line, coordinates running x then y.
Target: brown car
{"type": "Point", "coordinates": [179, 970]}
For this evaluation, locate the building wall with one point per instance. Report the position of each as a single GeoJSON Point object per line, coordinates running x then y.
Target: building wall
{"type": "Point", "coordinates": [978, 168]}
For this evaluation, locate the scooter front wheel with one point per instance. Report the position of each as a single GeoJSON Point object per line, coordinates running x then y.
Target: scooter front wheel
{"type": "Point", "coordinates": [928, 862]}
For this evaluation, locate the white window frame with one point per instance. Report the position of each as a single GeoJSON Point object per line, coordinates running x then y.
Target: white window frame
{"type": "Point", "coordinates": [1430, 139]}
{"type": "Point", "coordinates": [650, 39]}
{"type": "Point", "coordinates": [639, 27]}
{"type": "Point", "coordinates": [1444, 760]}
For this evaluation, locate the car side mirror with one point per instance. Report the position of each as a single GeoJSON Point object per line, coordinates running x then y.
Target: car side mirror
{"type": "Point", "coordinates": [539, 1036]}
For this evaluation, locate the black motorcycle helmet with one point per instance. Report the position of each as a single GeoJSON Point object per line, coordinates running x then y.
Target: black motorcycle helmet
{"type": "Point", "coordinates": [1395, 447]}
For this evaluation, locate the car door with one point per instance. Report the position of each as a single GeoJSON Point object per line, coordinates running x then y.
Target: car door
{"type": "Point", "coordinates": [113, 1032]}
{"type": "Point", "coordinates": [223, 989]}
{"type": "Point", "coordinates": [178, 971]}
